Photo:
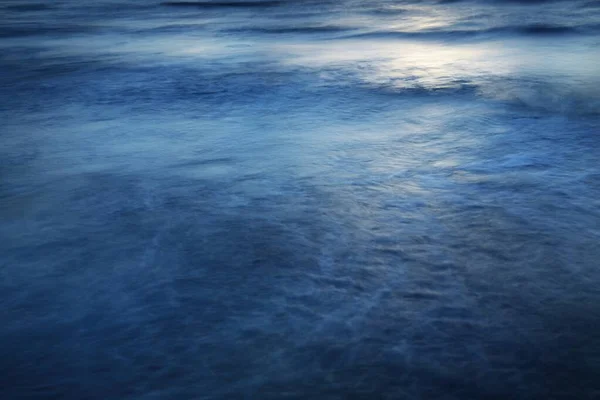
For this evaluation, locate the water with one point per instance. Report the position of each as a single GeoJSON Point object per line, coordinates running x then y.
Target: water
{"type": "Point", "coordinates": [300, 199]}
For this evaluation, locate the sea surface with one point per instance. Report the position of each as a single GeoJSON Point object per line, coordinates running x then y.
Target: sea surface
{"type": "Point", "coordinates": [300, 199]}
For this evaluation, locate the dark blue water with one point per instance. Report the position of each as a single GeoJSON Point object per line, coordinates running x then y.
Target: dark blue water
{"type": "Point", "coordinates": [300, 199]}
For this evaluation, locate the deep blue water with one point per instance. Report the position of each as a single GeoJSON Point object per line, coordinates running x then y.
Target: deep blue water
{"type": "Point", "coordinates": [300, 199]}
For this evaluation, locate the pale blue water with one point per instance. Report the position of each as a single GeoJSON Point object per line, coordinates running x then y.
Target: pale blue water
{"type": "Point", "coordinates": [300, 200]}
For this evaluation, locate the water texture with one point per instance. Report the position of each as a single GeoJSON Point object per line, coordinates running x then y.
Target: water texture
{"type": "Point", "coordinates": [293, 199]}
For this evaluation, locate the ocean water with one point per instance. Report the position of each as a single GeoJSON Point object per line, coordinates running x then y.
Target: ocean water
{"type": "Point", "coordinates": [300, 199]}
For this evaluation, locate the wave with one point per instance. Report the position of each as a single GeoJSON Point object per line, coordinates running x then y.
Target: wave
{"type": "Point", "coordinates": [526, 30]}
{"type": "Point", "coordinates": [509, 2]}
{"type": "Point", "coordinates": [559, 95]}
{"type": "Point", "coordinates": [526, 2]}
{"type": "Point", "coordinates": [28, 7]}
{"type": "Point", "coordinates": [295, 29]}
{"type": "Point", "coordinates": [56, 29]}
{"type": "Point", "coordinates": [543, 29]}
{"type": "Point", "coordinates": [539, 96]}
{"type": "Point", "coordinates": [566, 98]}
{"type": "Point", "coordinates": [387, 11]}
{"type": "Point", "coordinates": [223, 4]}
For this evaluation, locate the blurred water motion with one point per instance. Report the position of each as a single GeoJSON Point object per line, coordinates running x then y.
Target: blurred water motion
{"type": "Point", "coordinates": [299, 199]}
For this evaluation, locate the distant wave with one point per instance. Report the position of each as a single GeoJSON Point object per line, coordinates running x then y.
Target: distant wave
{"type": "Point", "coordinates": [25, 30]}
{"type": "Point", "coordinates": [523, 2]}
{"type": "Point", "coordinates": [387, 11]}
{"type": "Point", "coordinates": [533, 30]}
{"type": "Point", "coordinates": [223, 4]}
{"type": "Point", "coordinates": [28, 7]}
{"type": "Point", "coordinates": [294, 29]}
{"type": "Point", "coordinates": [591, 4]}
{"type": "Point", "coordinates": [526, 1]}
{"type": "Point", "coordinates": [542, 29]}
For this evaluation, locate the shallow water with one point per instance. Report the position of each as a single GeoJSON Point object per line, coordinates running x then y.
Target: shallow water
{"type": "Point", "coordinates": [300, 200]}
